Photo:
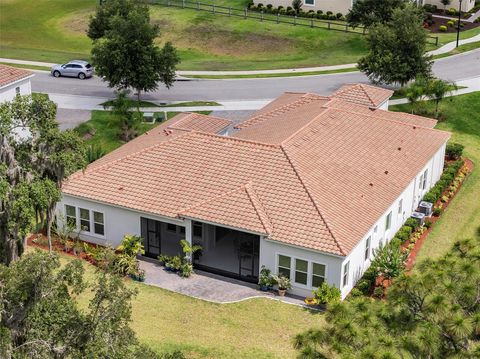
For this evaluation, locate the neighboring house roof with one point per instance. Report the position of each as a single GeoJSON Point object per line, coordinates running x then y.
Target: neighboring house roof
{"type": "Point", "coordinates": [362, 94]}
{"type": "Point", "coordinates": [303, 173]}
{"type": "Point", "coordinates": [9, 75]}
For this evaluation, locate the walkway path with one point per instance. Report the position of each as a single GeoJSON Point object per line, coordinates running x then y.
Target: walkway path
{"type": "Point", "coordinates": [444, 49]}
{"type": "Point", "coordinates": [472, 18]}
{"type": "Point", "coordinates": [209, 287]}
{"type": "Point", "coordinates": [451, 45]}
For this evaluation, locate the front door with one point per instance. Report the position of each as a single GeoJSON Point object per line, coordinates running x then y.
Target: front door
{"type": "Point", "coordinates": [151, 231]}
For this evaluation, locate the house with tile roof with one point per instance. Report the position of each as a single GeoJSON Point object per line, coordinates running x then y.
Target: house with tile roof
{"type": "Point", "coordinates": [14, 81]}
{"type": "Point", "coordinates": [308, 186]}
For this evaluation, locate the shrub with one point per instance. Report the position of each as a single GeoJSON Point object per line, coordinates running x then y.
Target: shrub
{"type": "Point", "coordinates": [389, 260]}
{"type": "Point", "coordinates": [436, 211]}
{"type": "Point", "coordinates": [332, 17]}
{"type": "Point", "coordinates": [259, 5]}
{"type": "Point", "coordinates": [452, 11]}
{"type": "Point", "coordinates": [430, 197]}
{"type": "Point", "coordinates": [326, 294]}
{"type": "Point", "coordinates": [355, 293]}
{"type": "Point", "coordinates": [411, 222]}
{"type": "Point", "coordinates": [339, 15]}
{"type": "Point", "coordinates": [269, 6]}
{"type": "Point", "coordinates": [442, 28]}
{"type": "Point", "coordinates": [329, 13]}
{"type": "Point", "coordinates": [428, 223]}
{"type": "Point", "coordinates": [450, 23]}
{"type": "Point", "coordinates": [250, 4]}
{"type": "Point", "coordinates": [430, 8]}
{"type": "Point", "coordinates": [378, 292]}
{"type": "Point", "coordinates": [454, 150]}
{"type": "Point", "coordinates": [319, 12]}
{"type": "Point", "coordinates": [364, 285]}
{"type": "Point", "coordinates": [289, 8]}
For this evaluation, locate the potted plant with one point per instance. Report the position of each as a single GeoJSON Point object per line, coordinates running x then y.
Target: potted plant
{"type": "Point", "coordinates": [283, 284]}
{"type": "Point", "coordinates": [186, 270]}
{"type": "Point", "coordinates": [265, 280]}
{"type": "Point", "coordinates": [176, 263]}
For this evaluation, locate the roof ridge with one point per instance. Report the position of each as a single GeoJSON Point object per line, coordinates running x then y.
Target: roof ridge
{"type": "Point", "coordinates": [312, 200]}
{"type": "Point", "coordinates": [261, 212]}
{"type": "Point", "coordinates": [251, 197]}
{"type": "Point", "coordinates": [391, 120]}
{"type": "Point", "coordinates": [366, 94]}
{"type": "Point", "coordinates": [236, 139]}
{"type": "Point", "coordinates": [293, 104]}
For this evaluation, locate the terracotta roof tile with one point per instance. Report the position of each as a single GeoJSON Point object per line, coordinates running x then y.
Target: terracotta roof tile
{"type": "Point", "coordinates": [199, 122]}
{"type": "Point", "coordinates": [362, 94]}
{"type": "Point", "coordinates": [10, 74]}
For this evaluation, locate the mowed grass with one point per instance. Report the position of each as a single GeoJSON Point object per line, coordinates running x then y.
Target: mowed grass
{"type": "Point", "coordinates": [255, 328]}
{"type": "Point", "coordinates": [462, 217]}
{"type": "Point", "coordinates": [54, 31]}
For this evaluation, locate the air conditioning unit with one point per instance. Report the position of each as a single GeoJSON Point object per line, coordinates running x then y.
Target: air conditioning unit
{"type": "Point", "coordinates": [425, 208]}
{"type": "Point", "coordinates": [420, 217]}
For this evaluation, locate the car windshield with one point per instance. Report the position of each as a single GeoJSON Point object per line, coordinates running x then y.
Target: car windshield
{"type": "Point", "coordinates": [88, 66]}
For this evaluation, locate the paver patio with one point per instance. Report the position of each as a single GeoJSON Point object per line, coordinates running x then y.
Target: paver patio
{"type": "Point", "coordinates": [208, 286]}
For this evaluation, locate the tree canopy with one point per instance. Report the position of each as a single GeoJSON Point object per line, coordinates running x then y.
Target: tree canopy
{"type": "Point", "coordinates": [433, 312]}
{"type": "Point", "coordinates": [372, 12]}
{"type": "Point", "coordinates": [124, 50]}
{"type": "Point", "coordinates": [397, 49]}
{"type": "Point", "coordinates": [41, 317]}
{"type": "Point", "coordinates": [36, 157]}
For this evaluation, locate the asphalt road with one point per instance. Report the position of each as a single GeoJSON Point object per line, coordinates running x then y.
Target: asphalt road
{"type": "Point", "coordinates": [453, 68]}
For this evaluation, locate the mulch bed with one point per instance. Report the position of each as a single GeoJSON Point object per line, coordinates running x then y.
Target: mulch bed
{"type": "Point", "coordinates": [419, 243]}
{"type": "Point", "coordinates": [437, 22]}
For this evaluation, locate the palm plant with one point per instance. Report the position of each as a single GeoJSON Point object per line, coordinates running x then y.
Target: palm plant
{"type": "Point", "coordinates": [438, 89]}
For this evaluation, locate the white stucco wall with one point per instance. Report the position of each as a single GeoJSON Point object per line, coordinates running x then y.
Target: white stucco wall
{"type": "Point", "coordinates": [8, 93]}
{"type": "Point", "coordinates": [270, 250]}
{"type": "Point", "coordinates": [118, 221]}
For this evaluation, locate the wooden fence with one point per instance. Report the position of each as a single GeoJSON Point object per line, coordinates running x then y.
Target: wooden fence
{"type": "Point", "coordinates": [269, 17]}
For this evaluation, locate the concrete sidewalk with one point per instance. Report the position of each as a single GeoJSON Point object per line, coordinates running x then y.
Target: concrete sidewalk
{"type": "Point", "coordinates": [444, 49]}
{"type": "Point", "coordinates": [76, 102]}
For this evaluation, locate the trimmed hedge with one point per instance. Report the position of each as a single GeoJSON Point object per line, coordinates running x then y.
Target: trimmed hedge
{"type": "Point", "coordinates": [454, 150]}
{"type": "Point", "coordinates": [446, 180]}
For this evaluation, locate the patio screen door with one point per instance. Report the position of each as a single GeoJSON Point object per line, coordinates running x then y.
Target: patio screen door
{"type": "Point", "coordinates": [151, 237]}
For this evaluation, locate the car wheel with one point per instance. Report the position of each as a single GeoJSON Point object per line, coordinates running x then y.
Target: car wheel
{"type": "Point", "coordinates": [81, 76]}
{"type": "Point", "coordinates": [56, 73]}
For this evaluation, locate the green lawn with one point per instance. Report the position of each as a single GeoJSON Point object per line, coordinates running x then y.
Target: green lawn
{"type": "Point", "coordinates": [460, 49]}
{"type": "Point", "coordinates": [54, 31]}
{"type": "Point", "coordinates": [103, 128]}
{"type": "Point", "coordinates": [462, 217]}
{"type": "Point", "coordinates": [256, 328]}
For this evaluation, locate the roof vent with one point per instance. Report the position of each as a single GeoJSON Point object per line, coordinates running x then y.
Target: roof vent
{"type": "Point", "coordinates": [399, 148]}
{"type": "Point", "coordinates": [120, 188]}
{"type": "Point", "coordinates": [386, 172]}
{"type": "Point", "coordinates": [414, 127]}
{"type": "Point", "coordinates": [371, 184]}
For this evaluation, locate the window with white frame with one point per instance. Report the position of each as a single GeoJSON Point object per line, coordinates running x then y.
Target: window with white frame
{"type": "Point", "coordinates": [71, 215]}
{"type": "Point", "coordinates": [400, 206]}
{"type": "Point", "coordinates": [172, 227]}
{"type": "Point", "coordinates": [301, 271]}
{"type": "Point", "coordinates": [367, 247]}
{"type": "Point", "coordinates": [197, 229]}
{"type": "Point", "coordinates": [318, 274]}
{"type": "Point", "coordinates": [310, 2]}
{"type": "Point", "coordinates": [424, 183]}
{"type": "Point", "coordinates": [85, 219]}
{"type": "Point", "coordinates": [420, 181]}
{"type": "Point", "coordinates": [98, 223]}
{"type": "Point", "coordinates": [346, 268]}
{"type": "Point", "coordinates": [388, 221]}
{"type": "Point", "coordinates": [284, 265]}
